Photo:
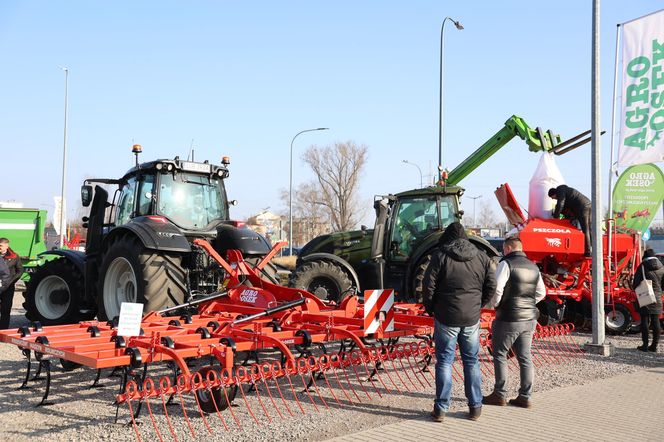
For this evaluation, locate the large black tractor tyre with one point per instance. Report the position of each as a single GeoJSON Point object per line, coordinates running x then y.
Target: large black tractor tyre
{"type": "Point", "coordinates": [417, 289]}
{"type": "Point", "coordinates": [131, 273]}
{"type": "Point", "coordinates": [268, 273]}
{"type": "Point", "coordinates": [324, 279]}
{"type": "Point", "coordinates": [618, 321]}
{"type": "Point", "coordinates": [54, 294]}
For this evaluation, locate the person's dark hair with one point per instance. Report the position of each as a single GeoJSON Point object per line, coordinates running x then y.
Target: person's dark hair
{"type": "Point", "coordinates": [553, 192]}
{"type": "Point", "coordinates": [452, 232]}
{"type": "Point", "coordinates": [4, 241]}
{"type": "Point", "coordinates": [514, 242]}
{"type": "Point", "coordinates": [649, 253]}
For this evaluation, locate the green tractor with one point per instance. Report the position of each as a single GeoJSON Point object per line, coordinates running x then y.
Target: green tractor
{"type": "Point", "coordinates": [139, 244]}
{"type": "Point", "coordinates": [396, 252]}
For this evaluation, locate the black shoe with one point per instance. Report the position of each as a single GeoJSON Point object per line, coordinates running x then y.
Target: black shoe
{"type": "Point", "coordinates": [494, 399]}
{"type": "Point", "coordinates": [653, 348]}
{"type": "Point", "coordinates": [521, 401]}
{"type": "Point", "coordinates": [474, 413]}
{"type": "Point", "coordinates": [643, 347]}
{"type": "Point", "coordinates": [437, 415]}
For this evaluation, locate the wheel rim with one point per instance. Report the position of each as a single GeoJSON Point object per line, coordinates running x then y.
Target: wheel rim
{"type": "Point", "coordinates": [615, 319]}
{"type": "Point", "coordinates": [119, 286]}
{"type": "Point", "coordinates": [52, 297]}
{"type": "Point", "coordinates": [324, 288]}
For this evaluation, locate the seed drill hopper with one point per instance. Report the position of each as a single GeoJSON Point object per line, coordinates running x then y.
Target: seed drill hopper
{"type": "Point", "coordinates": [276, 350]}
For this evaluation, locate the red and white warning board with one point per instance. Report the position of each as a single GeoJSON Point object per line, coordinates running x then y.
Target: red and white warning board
{"type": "Point", "coordinates": [378, 311]}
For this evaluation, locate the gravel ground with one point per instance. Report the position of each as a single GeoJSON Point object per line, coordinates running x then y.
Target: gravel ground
{"type": "Point", "coordinates": [80, 413]}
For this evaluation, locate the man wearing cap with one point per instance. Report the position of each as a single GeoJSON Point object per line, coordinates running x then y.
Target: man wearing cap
{"type": "Point", "coordinates": [457, 283]}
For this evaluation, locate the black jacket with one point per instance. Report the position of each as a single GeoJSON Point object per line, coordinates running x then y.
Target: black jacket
{"type": "Point", "coordinates": [5, 276]}
{"type": "Point", "coordinates": [654, 271]}
{"type": "Point", "coordinates": [14, 263]}
{"type": "Point", "coordinates": [457, 283]}
{"type": "Point", "coordinates": [571, 202]}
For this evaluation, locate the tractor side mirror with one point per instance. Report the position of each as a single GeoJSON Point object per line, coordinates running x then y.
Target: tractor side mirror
{"type": "Point", "coordinates": [86, 195]}
{"type": "Point", "coordinates": [460, 214]}
{"type": "Point", "coordinates": [232, 203]}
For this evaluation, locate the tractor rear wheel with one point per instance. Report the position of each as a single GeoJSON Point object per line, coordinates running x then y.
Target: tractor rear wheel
{"type": "Point", "coordinates": [131, 273]}
{"type": "Point", "coordinates": [617, 321]}
{"type": "Point", "coordinates": [54, 293]}
{"type": "Point", "coordinates": [324, 279]}
{"type": "Point", "coordinates": [268, 273]}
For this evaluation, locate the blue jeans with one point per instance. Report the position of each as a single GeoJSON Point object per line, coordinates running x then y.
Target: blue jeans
{"type": "Point", "coordinates": [446, 339]}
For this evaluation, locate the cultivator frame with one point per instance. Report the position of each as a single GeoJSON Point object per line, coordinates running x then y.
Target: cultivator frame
{"type": "Point", "coordinates": [256, 335]}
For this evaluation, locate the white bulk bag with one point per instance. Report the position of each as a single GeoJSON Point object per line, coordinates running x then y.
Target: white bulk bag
{"type": "Point", "coordinates": [546, 176]}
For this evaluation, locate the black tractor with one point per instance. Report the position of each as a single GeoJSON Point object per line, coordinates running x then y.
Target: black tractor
{"type": "Point", "coordinates": [139, 244]}
{"type": "Point", "coordinates": [395, 254]}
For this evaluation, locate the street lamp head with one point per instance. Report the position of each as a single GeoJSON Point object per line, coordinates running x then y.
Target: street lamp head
{"type": "Point", "coordinates": [323, 128]}
{"type": "Point", "coordinates": [458, 25]}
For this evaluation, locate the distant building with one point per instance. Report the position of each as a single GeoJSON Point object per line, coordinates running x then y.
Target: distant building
{"type": "Point", "coordinates": [269, 225]}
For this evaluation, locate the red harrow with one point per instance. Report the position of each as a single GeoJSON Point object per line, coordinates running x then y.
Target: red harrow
{"type": "Point", "coordinates": [262, 344]}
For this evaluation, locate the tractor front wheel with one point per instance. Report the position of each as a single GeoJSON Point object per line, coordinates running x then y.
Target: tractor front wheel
{"type": "Point", "coordinates": [54, 292]}
{"type": "Point", "coordinates": [324, 279]}
{"type": "Point", "coordinates": [132, 273]}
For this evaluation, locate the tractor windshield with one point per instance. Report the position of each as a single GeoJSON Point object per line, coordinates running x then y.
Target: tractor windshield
{"type": "Point", "coordinates": [192, 201]}
{"type": "Point", "coordinates": [416, 218]}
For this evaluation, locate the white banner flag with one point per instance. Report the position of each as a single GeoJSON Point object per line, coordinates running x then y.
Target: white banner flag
{"type": "Point", "coordinates": [642, 114]}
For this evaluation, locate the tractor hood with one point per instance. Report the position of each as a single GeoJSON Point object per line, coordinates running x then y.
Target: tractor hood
{"type": "Point", "coordinates": [353, 246]}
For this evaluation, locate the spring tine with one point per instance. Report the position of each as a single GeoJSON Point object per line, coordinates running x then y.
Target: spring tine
{"type": "Point", "coordinates": [565, 338]}
{"type": "Point", "coordinates": [196, 383]}
{"type": "Point", "coordinates": [165, 385]}
{"type": "Point", "coordinates": [342, 358]}
{"type": "Point", "coordinates": [301, 369]}
{"type": "Point", "coordinates": [553, 333]}
{"type": "Point", "coordinates": [336, 375]}
{"type": "Point", "coordinates": [211, 380]}
{"type": "Point", "coordinates": [410, 364]}
{"type": "Point", "coordinates": [357, 375]}
{"type": "Point", "coordinates": [374, 356]}
{"type": "Point", "coordinates": [384, 355]}
{"type": "Point", "coordinates": [422, 351]}
{"type": "Point", "coordinates": [226, 381]}
{"type": "Point", "coordinates": [311, 368]}
{"type": "Point", "coordinates": [290, 366]}
{"type": "Point", "coordinates": [180, 384]}
{"type": "Point", "coordinates": [356, 357]}
{"type": "Point", "coordinates": [148, 388]}
{"type": "Point", "coordinates": [238, 382]}
{"type": "Point", "coordinates": [549, 345]}
{"type": "Point", "coordinates": [400, 352]}
{"type": "Point", "coordinates": [131, 389]}
{"type": "Point", "coordinates": [390, 356]}
{"type": "Point", "coordinates": [573, 345]}
{"type": "Point", "coordinates": [324, 365]}
{"type": "Point", "coordinates": [267, 387]}
{"type": "Point", "coordinates": [277, 373]}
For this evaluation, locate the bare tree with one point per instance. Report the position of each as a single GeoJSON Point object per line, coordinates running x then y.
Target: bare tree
{"type": "Point", "coordinates": [338, 169]}
{"type": "Point", "coordinates": [487, 217]}
{"type": "Point", "coordinates": [310, 216]}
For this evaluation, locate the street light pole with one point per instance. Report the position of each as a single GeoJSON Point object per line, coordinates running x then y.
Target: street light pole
{"type": "Point", "coordinates": [64, 163]}
{"type": "Point", "coordinates": [440, 102]}
{"type": "Point", "coordinates": [418, 168]}
{"type": "Point", "coordinates": [290, 189]}
{"type": "Point", "coordinates": [474, 219]}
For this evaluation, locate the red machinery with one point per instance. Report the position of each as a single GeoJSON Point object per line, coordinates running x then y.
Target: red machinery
{"type": "Point", "coordinates": [301, 340]}
{"type": "Point", "coordinates": [558, 248]}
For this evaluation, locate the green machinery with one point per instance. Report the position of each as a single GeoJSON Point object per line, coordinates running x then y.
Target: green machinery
{"type": "Point", "coordinates": [397, 251]}
{"type": "Point", "coordinates": [25, 230]}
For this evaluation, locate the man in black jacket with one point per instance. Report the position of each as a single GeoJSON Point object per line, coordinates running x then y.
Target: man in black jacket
{"type": "Point", "coordinates": [457, 283]}
{"type": "Point", "coordinates": [519, 287]}
{"type": "Point", "coordinates": [575, 205]}
{"type": "Point", "coordinates": [15, 269]}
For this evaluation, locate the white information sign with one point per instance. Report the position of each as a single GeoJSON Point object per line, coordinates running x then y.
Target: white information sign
{"type": "Point", "coordinates": [130, 319]}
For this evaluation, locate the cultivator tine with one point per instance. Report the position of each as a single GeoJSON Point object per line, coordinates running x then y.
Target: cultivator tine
{"type": "Point", "coordinates": [399, 353]}
{"type": "Point", "coordinates": [182, 384]}
{"type": "Point", "coordinates": [256, 375]}
{"type": "Point", "coordinates": [389, 353]}
{"type": "Point", "coordinates": [311, 367]}
{"type": "Point", "coordinates": [383, 354]}
{"type": "Point", "coordinates": [291, 368]}
{"type": "Point", "coordinates": [28, 354]}
{"type": "Point", "coordinates": [349, 361]}
{"type": "Point", "coordinates": [374, 356]}
{"type": "Point", "coordinates": [211, 380]}
{"type": "Point", "coordinates": [301, 368]}
{"type": "Point", "coordinates": [238, 382]}
{"type": "Point", "coordinates": [323, 363]}
{"type": "Point", "coordinates": [226, 381]}
{"type": "Point", "coordinates": [277, 372]}
{"type": "Point", "coordinates": [131, 389]}
{"type": "Point", "coordinates": [165, 385]}
{"type": "Point", "coordinates": [148, 389]}
{"type": "Point", "coordinates": [356, 356]}
{"type": "Point", "coordinates": [340, 361]}
{"type": "Point", "coordinates": [409, 353]}
{"type": "Point", "coordinates": [568, 328]}
{"type": "Point", "coordinates": [197, 383]}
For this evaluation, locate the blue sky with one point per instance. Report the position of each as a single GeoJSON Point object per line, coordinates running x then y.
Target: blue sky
{"type": "Point", "coordinates": [242, 78]}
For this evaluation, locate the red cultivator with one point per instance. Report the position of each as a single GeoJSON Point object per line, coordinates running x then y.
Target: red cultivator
{"type": "Point", "coordinates": [278, 350]}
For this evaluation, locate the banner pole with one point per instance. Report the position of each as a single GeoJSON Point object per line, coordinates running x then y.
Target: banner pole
{"type": "Point", "coordinates": [610, 220]}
